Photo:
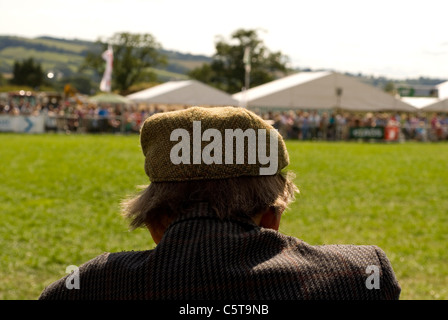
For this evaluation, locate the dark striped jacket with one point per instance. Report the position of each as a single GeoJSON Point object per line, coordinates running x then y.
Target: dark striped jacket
{"type": "Point", "coordinates": [202, 257]}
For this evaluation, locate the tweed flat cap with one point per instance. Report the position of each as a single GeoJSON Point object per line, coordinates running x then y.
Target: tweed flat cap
{"type": "Point", "coordinates": [210, 143]}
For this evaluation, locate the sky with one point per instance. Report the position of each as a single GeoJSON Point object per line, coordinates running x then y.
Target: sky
{"type": "Point", "coordinates": [393, 38]}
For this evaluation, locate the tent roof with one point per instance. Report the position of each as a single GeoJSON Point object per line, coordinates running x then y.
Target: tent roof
{"type": "Point", "coordinates": [438, 106]}
{"type": "Point", "coordinates": [279, 85]}
{"type": "Point", "coordinates": [188, 92]}
{"type": "Point", "coordinates": [112, 98]}
{"type": "Point", "coordinates": [318, 90]}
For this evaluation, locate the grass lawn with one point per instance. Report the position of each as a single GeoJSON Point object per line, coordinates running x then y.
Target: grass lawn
{"type": "Point", "coordinates": [60, 195]}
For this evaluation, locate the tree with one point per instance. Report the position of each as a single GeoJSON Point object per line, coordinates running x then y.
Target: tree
{"type": "Point", "coordinates": [389, 87]}
{"type": "Point", "coordinates": [134, 55]}
{"type": "Point", "coordinates": [28, 73]}
{"type": "Point", "coordinates": [227, 69]}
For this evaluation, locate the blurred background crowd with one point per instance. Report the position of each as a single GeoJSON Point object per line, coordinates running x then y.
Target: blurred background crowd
{"type": "Point", "coordinates": [69, 117]}
{"type": "Point", "coordinates": [336, 125]}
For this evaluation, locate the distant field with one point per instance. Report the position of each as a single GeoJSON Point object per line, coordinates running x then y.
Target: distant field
{"type": "Point", "coordinates": [66, 45]}
{"type": "Point", "coordinates": [59, 54]}
{"type": "Point", "coordinates": [59, 204]}
{"type": "Point", "coordinates": [169, 75]}
{"type": "Point", "coordinates": [188, 64]}
{"type": "Point", "coordinates": [47, 59]}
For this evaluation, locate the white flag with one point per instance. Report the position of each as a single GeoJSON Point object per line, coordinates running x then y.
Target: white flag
{"type": "Point", "coordinates": [108, 56]}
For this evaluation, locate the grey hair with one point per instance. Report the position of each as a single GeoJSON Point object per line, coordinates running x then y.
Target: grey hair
{"type": "Point", "coordinates": [232, 197]}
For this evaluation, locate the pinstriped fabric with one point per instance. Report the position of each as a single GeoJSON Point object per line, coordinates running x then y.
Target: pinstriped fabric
{"type": "Point", "coordinates": [202, 257]}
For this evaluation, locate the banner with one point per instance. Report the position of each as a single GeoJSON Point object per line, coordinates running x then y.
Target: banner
{"type": "Point", "coordinates": [25, 124]}
{"type": "Point", "coordinates": [108, 56]}
{"type": "Point", "coordinates": [367, 133]}
{"type": "Point", "coordinates": [391, 133]}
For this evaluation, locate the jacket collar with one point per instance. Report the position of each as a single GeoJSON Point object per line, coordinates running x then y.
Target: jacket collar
{"type": "Point", "coordinates": [202, 210]}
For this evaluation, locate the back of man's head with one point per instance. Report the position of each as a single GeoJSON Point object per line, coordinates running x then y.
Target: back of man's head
{"type": "Point", "coordinates": [226, 156]}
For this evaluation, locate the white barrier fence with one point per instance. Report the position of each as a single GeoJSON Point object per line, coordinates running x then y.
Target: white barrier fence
{"type": "Point", "coordinates": [25, 124]}
{"type": "Point", "coordinates": [131, 124]}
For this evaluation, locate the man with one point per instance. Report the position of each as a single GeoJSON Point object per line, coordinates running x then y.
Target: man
{"type": "Point", "coordinates": [218, 189]}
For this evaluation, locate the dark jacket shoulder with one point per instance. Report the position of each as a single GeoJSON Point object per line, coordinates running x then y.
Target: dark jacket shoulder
{"type": "Point", "coordinates": [98, 278]}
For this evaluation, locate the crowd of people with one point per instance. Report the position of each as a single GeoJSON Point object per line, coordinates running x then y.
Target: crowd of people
{"type": "Point", "coordinates": [326, 125]}
{"type": "Point", "coordinates": [72, 117]}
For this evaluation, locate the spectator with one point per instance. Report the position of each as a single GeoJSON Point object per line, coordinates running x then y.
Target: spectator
{"type": "Point", "coordinates": [216, 229]}
{"type": "Point", "coordinates": [436, 128]}
{"type": "Point", "coordinates": [314, 125]}
{"type": "Point", "coordinates": [305, 126]}
{"type": "Point", "coordinates": [323, 128]}
{"type": "Point", "coordinates": [421, 132]}
{"type": "Point", "coordinates": [340, 123]}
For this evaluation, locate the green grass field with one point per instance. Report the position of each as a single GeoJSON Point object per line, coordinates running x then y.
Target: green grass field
{"type": "Point", "coordinates": [60, 195]}
{"type": "Point", "coordinates": [48, 59]}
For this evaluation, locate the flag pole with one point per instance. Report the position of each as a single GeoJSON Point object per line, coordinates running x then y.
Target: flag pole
{"type": "Point", "coordinates": [247, 69]}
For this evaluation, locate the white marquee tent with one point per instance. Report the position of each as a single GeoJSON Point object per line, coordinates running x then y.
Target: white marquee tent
{"type": "Point", "coordinates": [185, 92]}
{"type": "Point", "coordinates": [438, 106]}
{"type": "Point", "coordinates": [442, 90]}
{"type": "Point", "coordinates": [320, 90]}
{"type": "Point", "coordinates": [435, 104]}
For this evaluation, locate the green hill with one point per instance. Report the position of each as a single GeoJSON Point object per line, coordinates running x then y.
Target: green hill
{"type": "Point", "coordinates": [65, 56]}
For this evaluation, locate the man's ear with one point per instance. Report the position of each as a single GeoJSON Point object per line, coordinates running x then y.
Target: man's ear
{"type": "Point", "coordinates": [270, 219]}
{"type": "Point", "coordinates": [158, 229]}
{"type": "Point", "coordinates": [156, 233]}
